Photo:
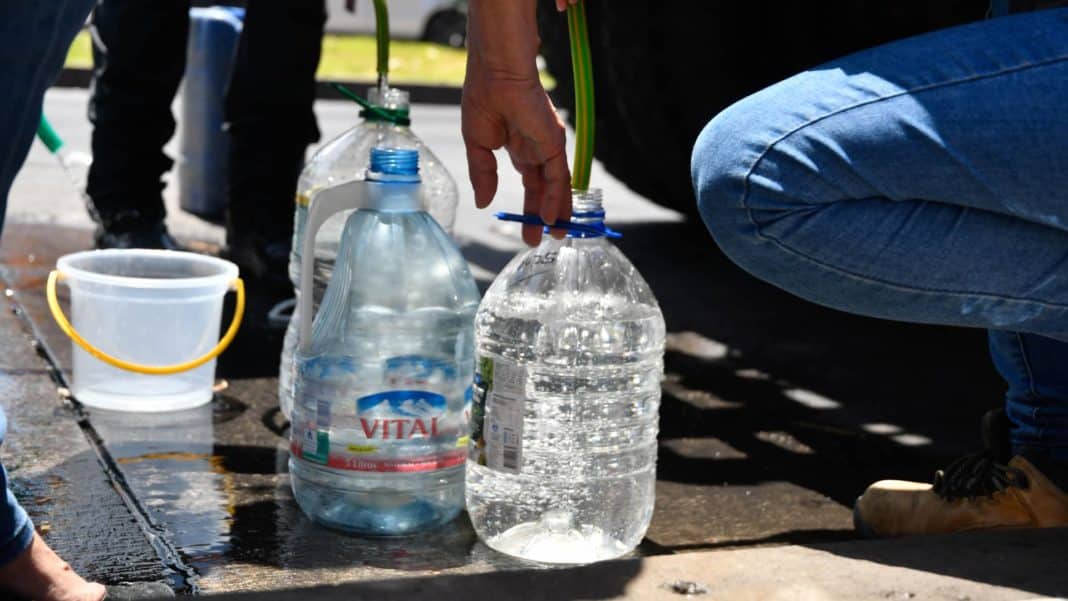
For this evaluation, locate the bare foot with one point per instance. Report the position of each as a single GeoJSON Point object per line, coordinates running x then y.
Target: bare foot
{"type": "Point", "coordinates": [41, 575]}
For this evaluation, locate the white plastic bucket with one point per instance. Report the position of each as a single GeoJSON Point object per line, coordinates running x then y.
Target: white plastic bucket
{"type": "Point", "coordinates": [145, 326]}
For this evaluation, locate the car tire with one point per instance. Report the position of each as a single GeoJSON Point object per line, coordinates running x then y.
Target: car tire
{"type": "Point", "coordinates": [448, 28]}
{"type": "Point", "coordinates": [663, 70]}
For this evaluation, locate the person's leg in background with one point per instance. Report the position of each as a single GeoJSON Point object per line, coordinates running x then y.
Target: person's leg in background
{"type": "Point", "coordinates": [924, 181]}
{"type": "Point", "coordinates": [139, 51]}
{"type": "Point", "coordinates": [34, 38]}
{"type": "Point", "coordinates": [269, 111]}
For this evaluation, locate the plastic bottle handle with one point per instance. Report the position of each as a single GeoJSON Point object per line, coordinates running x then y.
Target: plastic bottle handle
{"type": "Point", "coordinates": [324, 203]}
{"type": "Point", "coordinates": [153, 370]}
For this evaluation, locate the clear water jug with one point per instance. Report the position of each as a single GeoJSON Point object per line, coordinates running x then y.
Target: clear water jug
{"type": "Point", "coordinates": [569, 346]}
{"type": "Point", "coordinates": [346, 159]}
{"type": "Point", "coordinates": [383, 385]}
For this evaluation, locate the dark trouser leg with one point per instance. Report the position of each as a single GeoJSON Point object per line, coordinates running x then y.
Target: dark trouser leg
{"type": "Point", "coordinates": [1034, 368]}
{"type": "Point", "coordinates": [138, 60]}
{"type": "Point", "coordinates": [271, 123]}
{"type": "Point", "coordinates": [34, 38]}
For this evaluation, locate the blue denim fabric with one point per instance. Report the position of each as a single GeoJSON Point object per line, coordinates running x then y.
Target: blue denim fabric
{"type": "Point", "coordinates": [16, 530]}
{"type": "Point", "coordinates": [34, 37]}
{"type": "Point", "coordinates": [924, 181]}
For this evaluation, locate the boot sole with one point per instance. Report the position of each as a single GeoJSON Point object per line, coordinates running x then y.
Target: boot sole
{"type": "Point", "coordinates": [861, 527]}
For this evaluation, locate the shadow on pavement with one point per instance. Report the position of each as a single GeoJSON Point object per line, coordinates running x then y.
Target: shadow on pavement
{"type": "Point", "coordinates": [1028, 560]}
{"type": "Point", "coordinates": [762, 386]}
{"type": "Point", "coordinates": [599, 581]}
{"type": "Point", "coordinates": [775, 415]}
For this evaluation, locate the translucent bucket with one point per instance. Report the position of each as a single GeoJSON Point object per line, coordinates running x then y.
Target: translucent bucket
{"type": "Point", "coordinates": [145, 326]}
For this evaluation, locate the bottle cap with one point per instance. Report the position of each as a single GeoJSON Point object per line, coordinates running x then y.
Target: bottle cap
{"type": "Point", "coordinates": [394, 165]}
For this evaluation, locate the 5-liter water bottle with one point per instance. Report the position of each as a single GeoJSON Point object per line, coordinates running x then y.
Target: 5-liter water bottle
{"type": "Point", "coordinates": [345, 159]}
{"type": "Point", "coordinates": [569, 342]}
{"type": "Point", "coordinates": [379, 427]}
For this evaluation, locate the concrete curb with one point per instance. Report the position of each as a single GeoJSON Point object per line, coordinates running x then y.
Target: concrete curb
{"type": "Point", "coordinates": [1005, 565]}
{"type": "Point", "coordinates": [420, 94]}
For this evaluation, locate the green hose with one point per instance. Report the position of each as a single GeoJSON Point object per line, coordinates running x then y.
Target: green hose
{"type": "Point", "coordinates": [48, 135]}
{"type": "Point", "coordinates": [382, 37]}
{"type": "Point", "coordinates": [582, 67]}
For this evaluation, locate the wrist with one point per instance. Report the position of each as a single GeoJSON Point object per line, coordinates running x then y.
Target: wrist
{"type": "Point", "coordinates": [503, 37]}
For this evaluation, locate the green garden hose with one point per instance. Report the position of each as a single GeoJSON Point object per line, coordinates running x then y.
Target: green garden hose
{"type": "Point", "coordinates": [582, 68]}
{"type": "Point", "coordinates": [382, 37]}
{"type": "Point", "coordinates": [48, 135]}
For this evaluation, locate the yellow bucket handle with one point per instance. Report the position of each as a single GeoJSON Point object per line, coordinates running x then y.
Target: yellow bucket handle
{"type": "Point", "coordinates": [161, 370]}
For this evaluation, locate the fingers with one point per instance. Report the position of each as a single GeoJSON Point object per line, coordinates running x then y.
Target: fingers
{"type": "Point", "coordinates": [556, 183]}
{"type": "Point", "coordinates": [533, 198]}
{"type": "Point", "coordinates": [561, 5]}
{"type": "Point", "coordinates": [482, 132]}
{"type": "Point", "coordinates": [482, 169]}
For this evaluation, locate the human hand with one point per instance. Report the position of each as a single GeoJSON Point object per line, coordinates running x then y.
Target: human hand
{"type": "Point", "coordinates": [505, 106]}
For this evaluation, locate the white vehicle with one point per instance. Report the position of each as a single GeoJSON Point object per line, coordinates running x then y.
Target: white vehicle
{"type": "Point", "coordinates": [440, 21]}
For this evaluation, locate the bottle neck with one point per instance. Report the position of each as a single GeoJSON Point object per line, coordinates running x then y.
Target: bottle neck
{"type": "Point", "coordinates": [394, 102]}
{"type": "Point", "coordinates": [394, 196]}
{"type": "Point", "coordinates": [587, 209]}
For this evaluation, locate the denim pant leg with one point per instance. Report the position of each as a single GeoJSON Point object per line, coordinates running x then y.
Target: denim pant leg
{"type": "Point", "coordinates": [16, 530]}
{"type": "Point", "coordinates": [139, 50]}
{"type": "Point", "coordinates": [270, 117]}
{"type": "Point", "coordinates": [924, 181]}
{"type": "Point", "coordinates": [34, 38]}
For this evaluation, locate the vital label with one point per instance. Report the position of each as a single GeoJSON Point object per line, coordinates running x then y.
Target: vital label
{"type": "Point", "coordinates": [503, 427]}
{"type": "Point", "coordinates": [408, 427]}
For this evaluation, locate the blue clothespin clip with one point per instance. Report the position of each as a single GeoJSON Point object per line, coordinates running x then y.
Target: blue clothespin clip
{"type": "Point", "coordinates": [582, 230]}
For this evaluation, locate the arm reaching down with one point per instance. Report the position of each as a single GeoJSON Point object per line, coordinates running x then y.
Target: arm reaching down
{"type": "Point", "coordinates": [505, 105]}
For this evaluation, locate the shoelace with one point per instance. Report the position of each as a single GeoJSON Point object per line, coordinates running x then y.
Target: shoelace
{"type": "Point", "coordinates": [977, 475]}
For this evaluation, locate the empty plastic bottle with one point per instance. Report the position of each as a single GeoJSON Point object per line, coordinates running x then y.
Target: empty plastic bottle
{"type": "Point", "coordinates": [569, 344]}
{"type": "Point", "coordinates": [345, 159]}
{"type": "Point", "coordinates": [379, 431]}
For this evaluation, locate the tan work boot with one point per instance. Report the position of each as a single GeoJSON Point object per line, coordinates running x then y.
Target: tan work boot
{"type": "Point", "coordinates": [974, 493]}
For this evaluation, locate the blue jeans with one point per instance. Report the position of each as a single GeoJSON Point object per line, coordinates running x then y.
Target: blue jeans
{"type": "Point", "coordinates": [34, 37]}
{"type": "Point", "coordinates": [925, 181]}
{"type": "Point", "coordinates": [16, 530]}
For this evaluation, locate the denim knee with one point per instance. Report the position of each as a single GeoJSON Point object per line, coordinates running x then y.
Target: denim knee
{"type": "Point", "coordinates": [725, 156]}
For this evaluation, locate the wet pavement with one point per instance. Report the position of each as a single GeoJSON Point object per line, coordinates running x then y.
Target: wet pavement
{"type": "Point", "coordinates": [748, 457]}
{"type": "Point", "coordinates": [775, 415]}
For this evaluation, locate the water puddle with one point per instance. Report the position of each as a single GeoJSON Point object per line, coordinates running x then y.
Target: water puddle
{"type": "Point", "coordinates": [214, 482]}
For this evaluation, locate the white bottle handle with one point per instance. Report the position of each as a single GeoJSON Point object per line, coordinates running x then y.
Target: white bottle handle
{"type": "Point", "coordinates": [324, 203]}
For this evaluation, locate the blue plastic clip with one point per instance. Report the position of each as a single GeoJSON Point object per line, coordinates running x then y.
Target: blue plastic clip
{"type": "Point", "coordinates": [582, 230]}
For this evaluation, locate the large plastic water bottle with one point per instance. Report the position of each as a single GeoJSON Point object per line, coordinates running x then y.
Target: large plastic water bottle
{"type": "Point", "coordinates": [345, 159]}
{"type": "Point", "coordinates": [379, 427]}
{"type": "Point", "coordinates": [570, 342]}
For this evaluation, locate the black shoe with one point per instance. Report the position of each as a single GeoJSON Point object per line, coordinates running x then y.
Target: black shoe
{"type": "Point", "coordinates": [263, 264]}
{"type": "Point", "coordinates": [131, 231]}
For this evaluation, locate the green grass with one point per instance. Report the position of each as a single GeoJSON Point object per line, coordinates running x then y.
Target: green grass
{"type": "Point", "coordinates": [352, 58]}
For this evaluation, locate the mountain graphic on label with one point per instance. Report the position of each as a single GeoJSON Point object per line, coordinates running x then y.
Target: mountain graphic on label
{"type": "Point", "coordinates": [409, 370]}
{"type": "Point", "coordinates": [408, 403]}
